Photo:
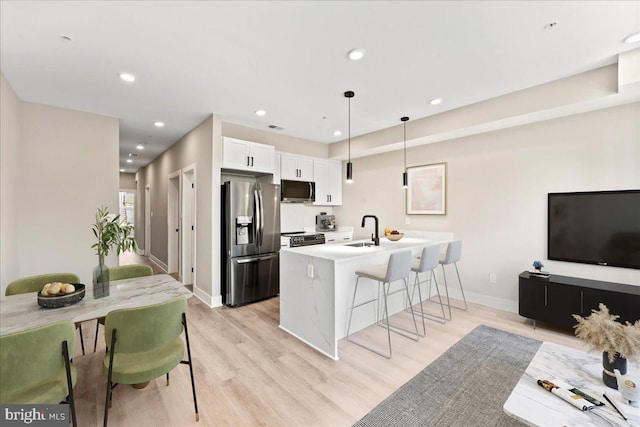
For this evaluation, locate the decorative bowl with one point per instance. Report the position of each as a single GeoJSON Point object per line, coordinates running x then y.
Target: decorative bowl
{"type": "Point", "coordinates": [57, 301]}
{"type": "Point", "coordinates": [394, 237]}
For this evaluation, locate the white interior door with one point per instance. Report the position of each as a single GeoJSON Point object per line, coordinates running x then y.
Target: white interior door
{"type": "Point", "coordinates": [147, 220]}
{"type": "Point", "coordinates": [173, 224]}
{"type": "Point", "coordinates": [188, 226]}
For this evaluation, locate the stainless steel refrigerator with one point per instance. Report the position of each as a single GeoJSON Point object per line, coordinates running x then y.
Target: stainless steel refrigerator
{"type": "Point", "coordinates": [251, 230]}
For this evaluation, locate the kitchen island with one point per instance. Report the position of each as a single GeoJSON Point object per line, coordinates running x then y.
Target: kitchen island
{"type": "Point", "coordinates": [317, 282]}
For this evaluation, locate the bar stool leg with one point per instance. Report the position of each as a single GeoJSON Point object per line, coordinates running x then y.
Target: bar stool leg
{"type": "Point", "coordinates": [406, 286]}
{"type": "Point", "coordinates": [353, 301]}
{"type": "Point", "coordinates": [386, 315]}
{"type": "Point", "coordinates": [433, 275]}
{"type": "Point", "coordinates": [461, 290]}
{"type": "Point", "coordinates": [417, 283]}
{"type": "Point", "coordinates": [446, 288]}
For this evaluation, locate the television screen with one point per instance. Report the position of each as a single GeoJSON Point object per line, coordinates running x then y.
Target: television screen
{"type": "Point", "coordinates": [600, 227]}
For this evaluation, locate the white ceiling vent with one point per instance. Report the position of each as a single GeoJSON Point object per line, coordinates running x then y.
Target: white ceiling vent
{"type": "Point", "coordinates": [274, 127]}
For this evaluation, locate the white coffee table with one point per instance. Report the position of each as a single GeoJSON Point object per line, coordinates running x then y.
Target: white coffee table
{"type": "Point", "coordinates": [535, 406]}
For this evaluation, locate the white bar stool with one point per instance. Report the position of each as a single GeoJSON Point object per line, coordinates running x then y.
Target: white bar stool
{"type": "Point", "coordinates": [427, 263]}
{"type": "Point", "coordinates": [452, 256]}
{"type": "Point", "coordinates": [398, 268]}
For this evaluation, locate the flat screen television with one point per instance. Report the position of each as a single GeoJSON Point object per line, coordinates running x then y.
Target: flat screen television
{"type": "Point", "coordinates": [598, 227]}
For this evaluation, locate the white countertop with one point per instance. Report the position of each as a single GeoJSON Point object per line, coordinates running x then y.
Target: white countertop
{"type": "Point", "coordinates": [344, 252]}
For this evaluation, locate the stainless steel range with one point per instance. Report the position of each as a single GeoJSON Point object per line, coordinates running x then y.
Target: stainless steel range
{"type": "Point", "coordinates": [297, 239]}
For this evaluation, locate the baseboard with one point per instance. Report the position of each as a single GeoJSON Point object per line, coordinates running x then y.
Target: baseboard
{"type": "Point", "coordinates": [159, 263]}
{"type": "Point", "coordinates": [474, 297]}
{"type": "Point", "coordinates": [141, 252]}
{"type": "Point", "coordinates": [212, 302]}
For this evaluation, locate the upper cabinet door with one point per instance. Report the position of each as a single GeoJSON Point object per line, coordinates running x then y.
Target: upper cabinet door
{"type": "Point", "coordinates": [262, 157]}
{"type": "Point", "coordinates": [235, 154]}
{"type": "Point", "coordinates": [247, 156]}
{"type": "Point", "coordinates": [296, 168]}
{"type": "Point", "coordinates": [327, 175]}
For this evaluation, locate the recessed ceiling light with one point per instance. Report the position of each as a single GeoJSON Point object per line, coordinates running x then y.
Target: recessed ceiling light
{"type": "Point", "coordinates": [127, 77]}
{"type": "Point", "coordinates": [129, 161]}
{"type": "Point", "coordinates": [551, 25]}
{"type": "Point", "coordinates": [355, 54]}
{"type": "Point", "coordinates": [260, 113]}
{"type": "Point", "coordinates": [140, 146]}
{"type": "Point", "coordinates": [158, 124]}
{"type": "Point", "coordinates": [337, 133]}
{"type": "Point", "coordinates": [121, 170]}
{"type": "Point", "coordinates": [633, 38]}
{"type": "Point", "coordinates": [435, 101]}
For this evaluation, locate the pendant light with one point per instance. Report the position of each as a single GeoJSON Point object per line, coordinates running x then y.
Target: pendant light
{"type": "Point", "coordinates": [349, 94]}
{"type": "Point", "coordinates": [405, 178]}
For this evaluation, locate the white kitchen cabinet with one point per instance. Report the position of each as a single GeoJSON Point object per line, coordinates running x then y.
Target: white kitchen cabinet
{"type": "Point", "coordinates": [327, 175]}
{"type": "Point", "coordinates": [276, 168]}
{"type": "Point", "coordinates": [338, 236]}
{"type": "Point", "coordinates": [248, 156]}
{"type": "Point", "coordinates": [296, 168]}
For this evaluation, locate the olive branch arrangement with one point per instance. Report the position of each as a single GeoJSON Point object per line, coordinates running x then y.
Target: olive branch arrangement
{"type": "Point", "coordinates": [111, 232]}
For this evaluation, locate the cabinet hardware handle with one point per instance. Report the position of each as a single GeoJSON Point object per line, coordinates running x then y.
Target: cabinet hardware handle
{"type": "Point", "coordinates": [545, 295]}
{"type": "Point", "coordinates": [251, 160]}
{"type": "Point", "coordinates": [581, 302]}
{"type": "Point", "coordinates": [248, 162]}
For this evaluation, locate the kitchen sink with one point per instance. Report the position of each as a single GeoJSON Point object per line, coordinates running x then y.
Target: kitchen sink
{"type": "Point", "coordinates": [360, 244]}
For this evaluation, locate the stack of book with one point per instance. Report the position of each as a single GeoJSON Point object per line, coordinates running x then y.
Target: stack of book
{"type": "Point", "coordinates": [539, 273]}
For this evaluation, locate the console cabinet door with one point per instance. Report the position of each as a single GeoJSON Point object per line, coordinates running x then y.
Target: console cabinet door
{"type": "Point", "coordinates": [533, 298]}
{"type": "Point", "coordinates": [562, 302]}
{"type": "Point", "coordinates": [296, 168]}
{"type": "Point", "coordinates": [624, 305]}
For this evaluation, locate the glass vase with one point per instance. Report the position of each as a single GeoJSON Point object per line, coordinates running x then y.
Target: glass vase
{"type": "Point", "coordinates": [608, 375]}
{"type": "Point", "coordinates": [101, 279]}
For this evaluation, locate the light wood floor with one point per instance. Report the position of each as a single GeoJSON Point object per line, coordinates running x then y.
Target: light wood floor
{"type": "Point", "coordinates": [249, 372]}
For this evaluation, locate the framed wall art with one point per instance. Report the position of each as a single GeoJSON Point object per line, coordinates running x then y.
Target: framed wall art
{"type": "Point", "coordinates": [427, 191]}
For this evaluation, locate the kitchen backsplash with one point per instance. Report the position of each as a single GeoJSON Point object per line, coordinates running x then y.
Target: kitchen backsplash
{"type": "Point", "coordinates": [296, 216]}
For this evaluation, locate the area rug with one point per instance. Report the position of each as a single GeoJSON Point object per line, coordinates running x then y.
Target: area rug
{"type": "Point", "coordinates": [466, 386]}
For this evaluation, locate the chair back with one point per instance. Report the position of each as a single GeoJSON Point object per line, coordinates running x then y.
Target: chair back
{"type": "Point", "coordinates": [429, 258]}
{"type": "Point", "coordinates": [35, 283]}
{"type": "Point", "coordinates": [454, 252]}
{"type": "Point", "coordinates": [29, 357]}
{"type": "Point", "coordinates": [399, 266]}
{"type": "Point", "coordinates": [129, 271]}
{"type": "Point", "coordinates": [145, 328]}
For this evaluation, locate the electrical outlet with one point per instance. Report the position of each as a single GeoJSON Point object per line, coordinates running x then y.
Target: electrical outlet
{"type": "Point", "coordinates": [310, 271]}
{"type": "Point", "coordinates": [492, 278]}
{"type": "Point", "coordinates": [407, 220]}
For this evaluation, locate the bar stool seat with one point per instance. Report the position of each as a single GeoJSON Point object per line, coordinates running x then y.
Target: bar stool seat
{"type": "Point", "coordinates": [427, 263]}
{"type": "Point", "coordinates": [398, 268]}
{"type": "Point", "coordinates": [452, 256]}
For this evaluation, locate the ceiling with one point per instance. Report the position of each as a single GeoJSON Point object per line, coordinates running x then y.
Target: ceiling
{"type": "Point", "coordinates": [194, 58]}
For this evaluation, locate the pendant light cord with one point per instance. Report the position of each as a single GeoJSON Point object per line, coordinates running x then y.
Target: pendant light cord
{"type": "Point", "coordinates": [405, 145]}
{"type": "Point", "coordinates": [349, 99]}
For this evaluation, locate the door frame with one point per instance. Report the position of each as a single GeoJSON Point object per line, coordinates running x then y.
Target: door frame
{"type": "Point", "coordinates": [174, 226]}
{"type": "Point", "coordinates": [188, 242]}
{"type": "Point", "coordinates": [147, 220]}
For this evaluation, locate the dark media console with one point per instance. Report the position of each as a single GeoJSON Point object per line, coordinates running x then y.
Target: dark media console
{"type": "Point", "coordinates": [555, 299]}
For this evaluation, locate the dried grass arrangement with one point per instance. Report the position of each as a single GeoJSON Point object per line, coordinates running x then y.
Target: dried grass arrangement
{"type": "Point", "coordinates": [601, 331]}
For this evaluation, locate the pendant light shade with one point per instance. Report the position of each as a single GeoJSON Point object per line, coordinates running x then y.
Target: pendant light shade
{"type": "Point", "coordinates": [349, 94]}
{"type": "Point", "coordinates": [405, 178]}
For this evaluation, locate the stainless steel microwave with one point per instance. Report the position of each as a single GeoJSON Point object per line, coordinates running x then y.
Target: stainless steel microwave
{"type": "Point", "coordinates": [297, 191]}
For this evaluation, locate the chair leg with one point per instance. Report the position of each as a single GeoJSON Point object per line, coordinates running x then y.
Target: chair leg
{"type": "Point", "coordinates": [193, 384]}
{"type": "Point", "coordinates": [433, 275]}
{"type": "Point", "coordinates": [397, 329]}
{"type": "Point", "coordinates": [353, 302]}
{"type": "Point", "coordinates": [167, 379]}
{"type": "Point", "coordinates": [446, 288]}
{"type": "Point", "coordinates": [107, 402]}
{"type": "Point", "coordinates": [353, 306]}
{"type": "Point", "coordinates": [81, 337]}
{"type": "Point", "coordinates": [386, 315]}
{"type": "Point", "coordinates": [461, 290]}
{"type": "Point", "coordinates": [95, 341]}
{"type": "Point", "coordinates": [70, 400]}
{"type": "Point", "coordinates": [406, 287]}
{"type": "Point", "coordinates": [417, 283]}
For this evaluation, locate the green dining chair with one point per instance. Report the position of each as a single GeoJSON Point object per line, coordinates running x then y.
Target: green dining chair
{"type": "Point", "coordinates": [35, 366]}
{"type": "Point", "coordinates": [35, 284]}
{"type": "Point", "coordinates": [120, 273]}
{"type": "Point", "coordinates": [143, 344]}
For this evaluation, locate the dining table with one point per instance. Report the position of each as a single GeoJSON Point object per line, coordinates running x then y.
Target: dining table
{"type": "Point", "coordinates": [21, 312]}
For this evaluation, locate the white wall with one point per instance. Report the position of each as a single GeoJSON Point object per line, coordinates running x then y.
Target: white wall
{"type": "Point", "coordinates": [498, 183]}
{"type": "Point", "coordinates": [68, 168]}
{"type": "Point", "coordinates": [9, 168]}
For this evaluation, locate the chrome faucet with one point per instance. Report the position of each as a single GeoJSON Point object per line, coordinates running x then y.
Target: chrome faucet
{"type": "Point", "coordinates": [374, 237]}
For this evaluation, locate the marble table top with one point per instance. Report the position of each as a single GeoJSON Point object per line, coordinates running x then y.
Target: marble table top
{"type": "Point", "coordinates": [22, 312]}
{"type": "Point", "coordinates": [535, 406]}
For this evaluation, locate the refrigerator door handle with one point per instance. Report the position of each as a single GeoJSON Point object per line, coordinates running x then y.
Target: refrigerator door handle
{"type": "Point", "coordinates": [255, 259]}
{"type": "Point", "coordinates": [258, 215]}
{"type": "Point", "coordinates": [261, 220]}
